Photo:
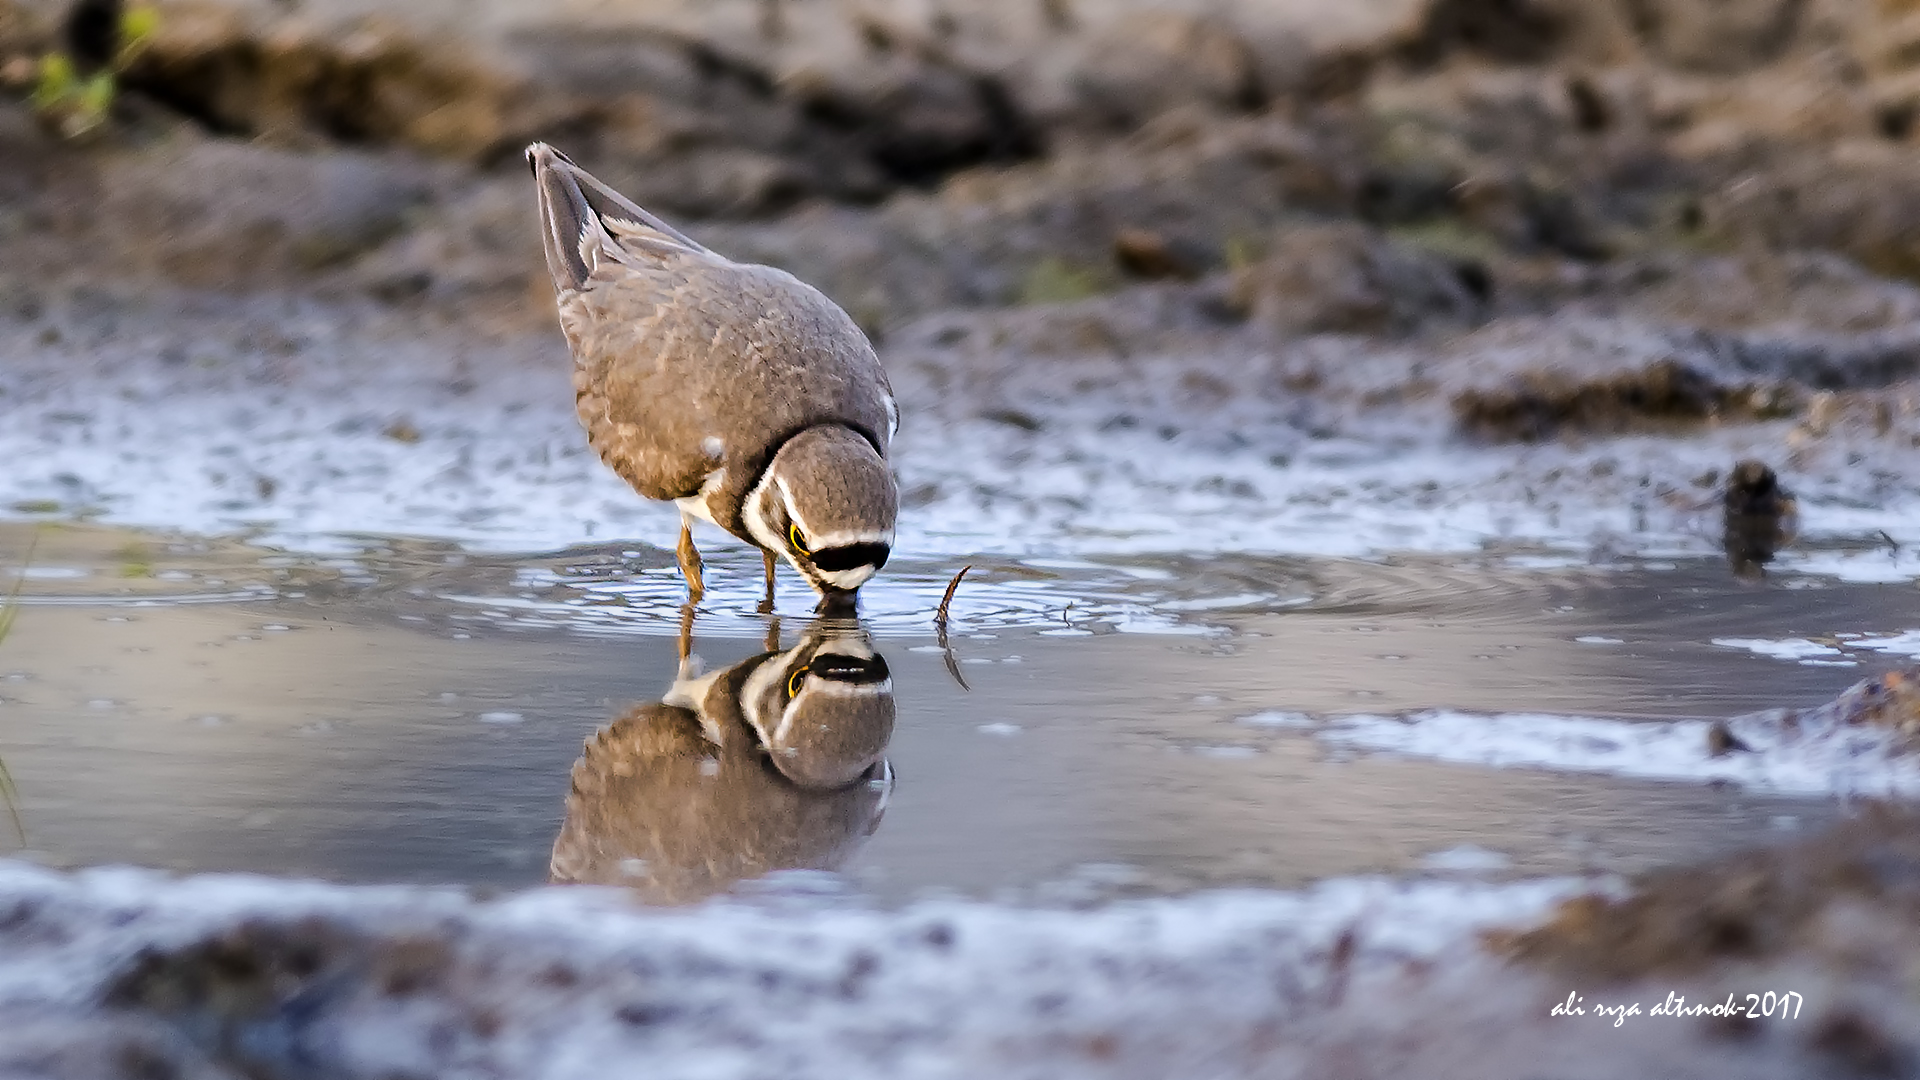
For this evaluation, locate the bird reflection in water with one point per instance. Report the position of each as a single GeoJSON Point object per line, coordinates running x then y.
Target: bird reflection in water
{"type": "Point", "coordinates": [772, 764]}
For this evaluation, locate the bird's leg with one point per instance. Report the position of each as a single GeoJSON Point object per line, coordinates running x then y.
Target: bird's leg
{"type": "Point", "coordinates": [766, 605]}
{"type": "Point", "coordinates": [773, 634]}
{"type": "Point", "coordinates": [690, 561]}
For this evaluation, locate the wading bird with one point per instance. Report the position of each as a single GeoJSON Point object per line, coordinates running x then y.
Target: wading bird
{"type": "Point", "coordinates": [735, 390]}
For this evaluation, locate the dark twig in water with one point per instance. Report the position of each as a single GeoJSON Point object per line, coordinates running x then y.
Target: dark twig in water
{"type": "Point", "coordinates": [1893, 546]}
{"type": "Point", "coordinates": [9, 793]}
{"type": "Point", "coordinates": [940, 613]}
{"type": "Point", "coordinates": [940, 629]}
{"type": "Point", "coordinates": [1065, 612]}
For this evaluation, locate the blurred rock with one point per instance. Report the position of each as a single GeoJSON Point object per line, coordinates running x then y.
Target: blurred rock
{"type": "Point", "coordinates": [1717, 35]}
{"type": "Point", "coordinates": [301, 83]}
{"type": "Point", "coordinates": [1515, 31]}
{"type": "Point", "coordinates": [1507, 158]}
{"type": "Point", "coordinates": [1148, 62]}
{"type": "Point", "coordinates": [1541, 404]}
{"type": "Point", "coordinates": [231, 214]}
{"type": "Point", "coordinates": [1346, 279]}
{"type": "Point", "coordinates": [1148, 254]}
{"type": "Point", "coordinates": [1748, 908]}
{"type": "Point", "coordinates": [49, 1045]}
{"type": "Point", "coordinates": [27, 29]}
{"type": "Point", "coordinates": [1890, 701]}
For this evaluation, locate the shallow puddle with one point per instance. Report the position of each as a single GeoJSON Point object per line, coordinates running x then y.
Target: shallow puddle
{"type": "Point", "coordinates": [410, 712]}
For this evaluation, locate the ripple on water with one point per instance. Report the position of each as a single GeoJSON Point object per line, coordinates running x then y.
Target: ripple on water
{"type": "Point", "coordinates": [1091, 597]}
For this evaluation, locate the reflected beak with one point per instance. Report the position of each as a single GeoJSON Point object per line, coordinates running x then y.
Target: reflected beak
{"type": "Point", "coordinates": [838, 603]}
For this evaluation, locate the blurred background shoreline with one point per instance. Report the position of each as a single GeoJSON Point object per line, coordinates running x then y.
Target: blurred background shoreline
{"type": "Point", "coordinates": [1284, 237]}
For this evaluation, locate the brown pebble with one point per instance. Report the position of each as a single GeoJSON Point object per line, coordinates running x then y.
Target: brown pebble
{"type": "Point", "coordinates": [1145, 253]}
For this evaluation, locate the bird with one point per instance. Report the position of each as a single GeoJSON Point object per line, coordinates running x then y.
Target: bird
{"type": "Point", "coordinates": [735, 390]}
{"type": "Point", "coordinates": [775, 763]}
{"type": "Point", "coordinates": [1761, 517]}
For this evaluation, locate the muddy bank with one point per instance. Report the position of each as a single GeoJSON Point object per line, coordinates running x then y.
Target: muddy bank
{"type": "Point", "coordinates": [212, 975]}
{"type": "Point", "coordinates": [120, 974]}
{"type": "Point", "coordinates": [1089, 428]}
{"type": "Point", "coordinates": [983, 144]}
{"type": "Point", "coordinates": [1555, 220]}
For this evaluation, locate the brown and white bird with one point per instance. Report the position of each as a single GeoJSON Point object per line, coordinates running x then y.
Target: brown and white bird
{"type": "Point", "coordinates": [736, 390]}
{"type": "Point", "coordinates": [1761, 517]}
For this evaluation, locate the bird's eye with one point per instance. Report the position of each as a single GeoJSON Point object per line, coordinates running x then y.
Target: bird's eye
{"type": "Point", "coordinates": [793, 537]}
{"type": "Point", "coordinates": [793, 681]}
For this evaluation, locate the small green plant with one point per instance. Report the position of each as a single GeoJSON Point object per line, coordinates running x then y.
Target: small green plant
{"type": "Point", "coordinates": [1056, 281]}
{"type": "Point", "coordinates": [1242, 252]}
{"type": "Point", "coordinates": [1449, 238]}
{"type": "Point", "coordinates": [74, 102]}
{"type": "Point", "coordinates": [137, 26]}
{"type": "Point", "coordinates": [135, 561]}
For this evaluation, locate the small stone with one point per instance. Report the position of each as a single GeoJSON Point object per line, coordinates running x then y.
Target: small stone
{"type": "Point", "coordinates": [1721, 741]}
{"type": "Point", "coordinates": [1147, 254]}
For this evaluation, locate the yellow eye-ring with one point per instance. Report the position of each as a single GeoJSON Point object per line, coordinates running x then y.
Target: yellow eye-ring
{"type": "Point", "coordinates": [793, 681]}
{"type": "Point", "coordinates": [793, 537]}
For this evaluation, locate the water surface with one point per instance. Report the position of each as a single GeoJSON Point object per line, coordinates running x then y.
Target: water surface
{"type": "Point", "coordinates": [413, 712]}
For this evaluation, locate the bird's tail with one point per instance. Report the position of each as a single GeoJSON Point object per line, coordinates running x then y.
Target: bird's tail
{"type": "Point", "coordinates": [573, 232]}
{"type": "Point", "coordinates": [566, 220]}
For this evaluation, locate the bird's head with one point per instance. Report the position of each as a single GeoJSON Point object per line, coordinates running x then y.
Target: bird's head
{"type": "Point", "coordinates": [1753, 488]}
{"type": "Point", "coordinates": [827, 505]}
